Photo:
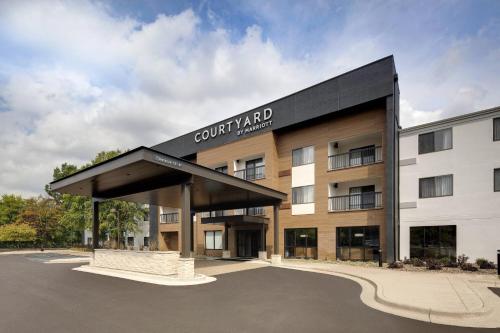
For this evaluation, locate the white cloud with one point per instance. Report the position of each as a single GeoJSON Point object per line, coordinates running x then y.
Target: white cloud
{"type": "Point", "coordinates": [176, 78]}
{"type": "Point", "coordinates": [83, 80]}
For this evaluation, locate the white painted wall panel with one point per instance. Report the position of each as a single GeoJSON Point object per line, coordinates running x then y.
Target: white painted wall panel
{"type": "Point", "coordinates": [303, 175]}
{"type": "Point", "coordinates": [303, 209]}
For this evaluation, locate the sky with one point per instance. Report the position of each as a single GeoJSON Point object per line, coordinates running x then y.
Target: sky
{"type": "Point", "coordinates": [79, 77]}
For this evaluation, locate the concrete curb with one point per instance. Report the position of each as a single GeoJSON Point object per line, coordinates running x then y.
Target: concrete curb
{"type": "Point", "coordinates": [372, 296]}
{"type": "Point", "coordinates": [146, 278]}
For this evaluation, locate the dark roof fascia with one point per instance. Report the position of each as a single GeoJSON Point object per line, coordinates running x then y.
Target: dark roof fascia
{"type": "Point", "coordinates": [235, 219]}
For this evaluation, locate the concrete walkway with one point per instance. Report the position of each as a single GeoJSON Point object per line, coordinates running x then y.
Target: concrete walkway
{"type": "Point", "coordinates": [460, 299]}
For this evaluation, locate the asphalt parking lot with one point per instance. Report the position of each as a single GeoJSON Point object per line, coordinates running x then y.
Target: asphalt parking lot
{"type": "Point", "coordinates": [39, 297]}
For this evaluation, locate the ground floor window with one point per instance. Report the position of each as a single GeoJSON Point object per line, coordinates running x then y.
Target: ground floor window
{"type": "Point", "coordinates": [146, 241]}
{"type": "Point", "coordinates": [130, 241]}
{"type": "Point", "coordinates": [433, 241]}
{"type": "Point", "coordinates": [213, 240]}
{"type": "Point", "coordinates": [358, 243]}
{"type": "Point", "coordinates": [301, 243]}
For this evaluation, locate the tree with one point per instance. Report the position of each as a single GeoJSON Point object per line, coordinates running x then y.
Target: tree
{"type": "Point", "coordinates": [43, 214]}
{"type": "Point", "coordinates": [10, 207]}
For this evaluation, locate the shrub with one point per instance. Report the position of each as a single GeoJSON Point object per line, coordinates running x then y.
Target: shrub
{"type": "Point", "coordinates": [17, 233]}
{"type": "Point", "coordinates": [417, 262]}
{"type": "Point", "coordinates": [433, 264]}
{"type": "Point", "coordinates": [395, 265]}
{"type": "Point", "coordinates": [407, 261]}
{"type": "Point", "coordinates": [485, 264]}
{"type": "Point", "coordinates": [448, 262]}
{"type": "Point", "coordinates": [462, 259]}
{"type": "Point", "coordinates": [468, 267]}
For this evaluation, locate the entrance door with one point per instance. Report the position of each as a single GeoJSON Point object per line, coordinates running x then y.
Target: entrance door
{"type": "Point", "coordinates": [248, 243]}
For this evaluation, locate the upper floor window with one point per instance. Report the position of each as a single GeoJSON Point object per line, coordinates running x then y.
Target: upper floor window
{"type": "Point", "coordinates": [303, 194]}
{"type": "Point", "coordinates": [439, 186]}
{"type": "Point", "coordinates": [496, 176]}
{"type": "Point", "coordinates": [435, 141]}
{"type": "Point", "coordinates": [222, 169]}
{"type": "Point", "coordinates": [303, 156]}
{"type": "Point", "coordinates": [496, 129]}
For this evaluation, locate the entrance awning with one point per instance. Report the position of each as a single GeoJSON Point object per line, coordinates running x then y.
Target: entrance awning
{"type": "Point", "coordinates": [144, 175]}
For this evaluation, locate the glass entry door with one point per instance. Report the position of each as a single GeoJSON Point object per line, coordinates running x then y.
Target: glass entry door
{"type": "Point", "coordinates": [248, 243]}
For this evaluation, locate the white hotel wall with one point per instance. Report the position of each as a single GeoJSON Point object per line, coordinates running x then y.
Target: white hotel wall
{"type": "Point", "coordinates": [474, 207]}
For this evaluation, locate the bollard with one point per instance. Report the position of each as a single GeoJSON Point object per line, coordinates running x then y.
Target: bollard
{"type": "Point", "coordinates": [379, 258]}
{"type": "Point", "coordinates": [498, 262]}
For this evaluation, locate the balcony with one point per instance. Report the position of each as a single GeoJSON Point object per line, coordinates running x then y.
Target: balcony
{"type": "Point", "coordinates": [254, 173]}
{"type": "Point", "coordinates": [169, 218]}
{"type": "Point", "coordinates": [352, 202]}
{"type": "Point", "coordinates": [355, 157]}
{"type": "Point", "coordinates": [253, 211]}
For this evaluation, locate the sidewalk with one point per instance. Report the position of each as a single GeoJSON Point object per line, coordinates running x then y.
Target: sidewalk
{"type": "Point", "coordinates": [460, 299]}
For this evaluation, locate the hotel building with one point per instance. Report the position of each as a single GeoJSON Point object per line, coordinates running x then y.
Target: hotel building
{"type": "Point", "coordinates": [331, 148]}
{"type": "Point", "coordinates": [450, 187]}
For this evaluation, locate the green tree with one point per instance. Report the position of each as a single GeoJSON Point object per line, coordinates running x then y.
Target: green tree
{"type": "Point", "coordinates": [10, 207]}
{"type": "Point", "coordinates": [43, 214]}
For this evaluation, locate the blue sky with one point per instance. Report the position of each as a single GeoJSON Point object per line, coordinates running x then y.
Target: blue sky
{"type": "Point", "coordinates": [77, 77]}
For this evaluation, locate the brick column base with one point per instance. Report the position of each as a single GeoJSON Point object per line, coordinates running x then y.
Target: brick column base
{"type": "Point", "coordinates": [263, 255]}
{"type": "Point", "coordinates": [276, 259]}
{"type": "Point", "coordinates": [226, 254]}
{"type": "Point", "coordinates": [185, 268]}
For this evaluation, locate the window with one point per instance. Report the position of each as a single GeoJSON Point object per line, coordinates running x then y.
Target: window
{"type": "Point", "coordinates": [254, 169]}
{"type": "Point", "coordinates": [496, 176]}
{"type": "Point", "coordinates": [439, 186]}
{"type": "Point", "coordinates": [146, 241]}
{"type": "Point", "coordinates": [301, 243]}
{"type": "Point", "coordinates": [433, 242]}
{"type": "Point", "coordinates": [496, 129]}
{"type": "Point", "coordinates": [435, 141]}
{"type": "Point", "coordinates": [213, 240]}
{"type": "Point", "coordinates": [130, 241]}
{"type": "Point", "coordinates": [303, 156]}
{"type": "Point", "coordinates": [303, 194]}
{"type": "Point", "coordinates": [358, 243]}
{"type": "Point", "coordinates": [222, 169]}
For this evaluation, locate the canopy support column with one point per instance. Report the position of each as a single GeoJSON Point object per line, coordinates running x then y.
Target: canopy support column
{"type": "Point", "coordinates": [186, 220]}
{"type": "Point", "coordinates": [95, 223]}
{"type": "Point", "coordinates": [276, 257]}
{"type": "Point", "coordinates": [276, 247]}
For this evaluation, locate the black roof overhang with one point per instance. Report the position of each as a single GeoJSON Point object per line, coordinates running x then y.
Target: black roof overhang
{"type": "Point", "coordinates": [147, 176]}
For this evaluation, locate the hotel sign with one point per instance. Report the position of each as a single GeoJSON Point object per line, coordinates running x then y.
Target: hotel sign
{"type": "Point", "coordinates": [241, 125]}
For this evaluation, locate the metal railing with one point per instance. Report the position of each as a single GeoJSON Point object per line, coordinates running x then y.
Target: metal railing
{"type": "Point", "coordinates": [169, 218]}
{"type": "Point", "coordinates": [254, 173]}
{"type": "Point", "coordinates": [215, 213]}
{"type": "Point", "coordinates": [355, 158]}
{"type": "Point", "coordinates": [254, 211]}
{"type": "Point", "coordinates": [368, 200]}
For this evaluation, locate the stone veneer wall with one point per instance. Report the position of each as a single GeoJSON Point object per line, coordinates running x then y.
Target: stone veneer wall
{"type": "Point", "coordinates": [154, 262]}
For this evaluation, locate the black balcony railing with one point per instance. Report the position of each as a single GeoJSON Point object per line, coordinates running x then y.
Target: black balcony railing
{"type": "Point", "coordinates": [367, 200]}
{"type": "Point", "coordinates": [169, 218]}
{"type": "Point", "coordinates": [254, 211]}
{"type": "Point", "coordinates": [355, 157]}
{"type": "Point", "coordinates": [254, 173]}
{"type": "Point", "coordinates": [215, 213]}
